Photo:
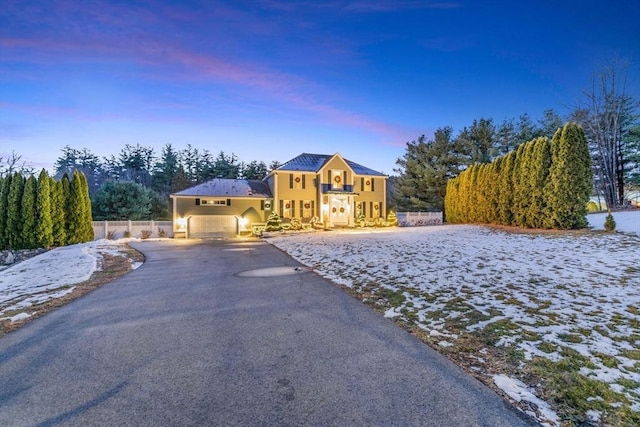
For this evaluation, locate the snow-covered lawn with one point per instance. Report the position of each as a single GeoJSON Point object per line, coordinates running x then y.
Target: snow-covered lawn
{"type": "Point", "coordinates": [537, 300]}
{"type": "Point", "coordinates": [50, 275]}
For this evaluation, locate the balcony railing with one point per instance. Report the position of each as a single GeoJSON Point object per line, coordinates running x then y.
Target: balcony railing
{"type": "Point", "coordinates": [325, 188]}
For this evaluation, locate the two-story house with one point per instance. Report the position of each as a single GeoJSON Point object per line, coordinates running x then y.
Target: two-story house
{"type": "Point", "coordinates": [330, 188]}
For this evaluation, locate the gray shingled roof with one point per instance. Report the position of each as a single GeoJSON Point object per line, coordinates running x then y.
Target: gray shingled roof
{"type": "Point", "coordinates": [306, 162]}
{"type": "Point", "coordinates": [220, 187]}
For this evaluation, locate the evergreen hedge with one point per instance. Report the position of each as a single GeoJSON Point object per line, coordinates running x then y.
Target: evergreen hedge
{"type": "Point", "coordinates": [42, 212]}
{"type": "Point", "coordinates": [540, 184]}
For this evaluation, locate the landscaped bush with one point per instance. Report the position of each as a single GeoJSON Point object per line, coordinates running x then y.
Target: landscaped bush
{"type": "Point", "coordinates": [145, 234]}
{"type": "Point", "coordinates": [609, 222]}
{"type": "Point", "coordinates": [274, 223]}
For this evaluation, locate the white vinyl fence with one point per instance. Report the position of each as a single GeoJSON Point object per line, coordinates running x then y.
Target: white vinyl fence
{"type": "Point", "coordinates": [414, 219]}
{"type": "Point", "coordinates": [138, 229]}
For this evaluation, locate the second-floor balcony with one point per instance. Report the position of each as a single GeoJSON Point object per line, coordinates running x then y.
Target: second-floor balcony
{"type": "Point", "coordinates": [330, 188]}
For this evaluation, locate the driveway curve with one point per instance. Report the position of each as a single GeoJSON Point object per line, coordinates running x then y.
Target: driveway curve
{"type": "Point", "coordinates": [187, 339]}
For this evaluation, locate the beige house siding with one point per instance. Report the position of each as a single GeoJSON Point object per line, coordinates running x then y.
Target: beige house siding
{"type": "Point", "coordinates": [292, 192]}
{"type": "Point", "coordinates": [251, 209]}
{"type": "Point", "coordinates": [370, 196]}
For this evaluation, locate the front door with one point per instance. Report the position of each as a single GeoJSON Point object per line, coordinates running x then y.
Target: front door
{"type": "Point", "coordinates": [340, 209]}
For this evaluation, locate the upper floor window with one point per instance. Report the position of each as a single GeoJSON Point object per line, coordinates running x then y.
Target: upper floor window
{"type": "Point", "coordinates": [367, 183]}
{"type": "Point", "coordinates": [213, 202]}
{"type": "Point", "coordinates": [337, 177]}
{"type": "Point", "coordinates": [297, 181]}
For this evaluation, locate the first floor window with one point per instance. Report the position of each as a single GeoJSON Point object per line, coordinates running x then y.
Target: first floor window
{"type": "Point", "coordinates": [306, 208]}
{"type": "Point", "coordinates": [287, 207]}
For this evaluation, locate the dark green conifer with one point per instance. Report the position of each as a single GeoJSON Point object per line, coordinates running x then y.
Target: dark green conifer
{"type": "Point", "coordinates": [505, 199]}
{"type": "Point", "coordinates": [14, 212]}
{"type": "Point", "coordinates": [58, 213]}
{"type": "Point", "coordinates": [28, 213]}
{"type": "Point", "coordinates": [44, 225]}
{"type": "Point", "coordinates": [570, 179]}
{"type": "Point", "coordinates": [4, 210]}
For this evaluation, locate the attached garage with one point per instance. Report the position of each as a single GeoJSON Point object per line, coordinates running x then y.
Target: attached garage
{"type": "Point", "coordinates": [210, 226]}
{"type": "Point", "coordinates": [220, 208]}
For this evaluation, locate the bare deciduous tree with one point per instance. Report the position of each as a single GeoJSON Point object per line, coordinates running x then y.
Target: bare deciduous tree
{"type": "Point", "coordinates": [11, 163]}
{"type": "Point", "coordinates": [607, 114]}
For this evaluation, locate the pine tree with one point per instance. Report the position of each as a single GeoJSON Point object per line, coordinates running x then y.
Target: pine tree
{"type": "Point", "coordinates": [28, 212]}
{"type": "Point", "coordinates": [570, 179]}
{"type": "Point", "coordinates": [58, 213]}
{"type": "Point", "coordinates": [44, 225]}
{"type": "Point", "coordinates": [14, 212]}
{"type": "Point", "coordinates": [4, 210]}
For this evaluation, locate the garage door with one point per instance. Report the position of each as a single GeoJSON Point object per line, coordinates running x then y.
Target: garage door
{"type": "Point", "coordinates": [207, 226]}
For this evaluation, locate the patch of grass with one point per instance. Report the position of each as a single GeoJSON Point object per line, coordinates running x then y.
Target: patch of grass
{"type": "Point", "coordinates": [531, 336]}
{"type": "Point", "coordinates": [584, 332]}
{"type": "Point", "coordinates": [629, 384]}
{"type": "Point", "coordinates": [572, 338]}
{"type": "Point", "coordinates": [607, 360]}
{"type": "Point", "coordinates": [458, 304]}
{"type": "Point", "coordinates": [602, 331]}
{"type": "Point", "coordinates": [496, 330]}
{"type": "Point", "coordinates": [631, 354]}
{"type": "Point", "coordinates": [394, 297]}
{"type": "Point", "coordinates": [573, 394]}
{"type": "Point", "coordinates": [547, 347]}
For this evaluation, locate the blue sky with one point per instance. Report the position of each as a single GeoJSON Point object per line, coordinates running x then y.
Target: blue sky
{"type": "Point", "coordinates": [268, 79]}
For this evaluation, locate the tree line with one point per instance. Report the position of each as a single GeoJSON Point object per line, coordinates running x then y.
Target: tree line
{"type": "Point", "coordinates": [43, 212]}
{"type": "Point", "coordinates": [168, 172]}
{"type": "Point", "coordinates": [428, 165]}
{"type": "Point", "coordinates": [608, 115]}
{"type": "Point", "coordinates": [137, 182]}
{"type": "Point", "coordinates": [542, 184]}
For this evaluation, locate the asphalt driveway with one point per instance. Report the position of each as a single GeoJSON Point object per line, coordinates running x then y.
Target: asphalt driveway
{"type": "Point", "coordinates": [191, 338]}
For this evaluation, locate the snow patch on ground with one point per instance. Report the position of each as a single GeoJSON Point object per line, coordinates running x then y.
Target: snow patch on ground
{"type": "Point", "coordinates": [51, 275]}
{"type": "Point", "coordinates": [519, 391]}
{"type": "Point", "coordinates": [537, 293]}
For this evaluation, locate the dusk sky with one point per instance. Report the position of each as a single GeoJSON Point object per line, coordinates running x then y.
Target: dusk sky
{"type": "Point", "coordinates": [269, 79]}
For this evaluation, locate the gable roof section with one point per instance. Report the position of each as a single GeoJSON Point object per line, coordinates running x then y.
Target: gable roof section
{"type": "Point", "coordinates": [220, 187]}
{"type": "Point", "coordinates": [307, 162]}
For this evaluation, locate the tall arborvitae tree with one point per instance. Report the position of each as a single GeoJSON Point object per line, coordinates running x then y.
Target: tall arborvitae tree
{"type": "Point", "coordinates": [75, 211]}
{"type": "Point", "coordinates": [28, 213]}
{"type": "Point", "coordinates": [86, 227]}
{"type": "Point", "coordinates": [540, 164]}
{"type": "Point", "coordinates": [522, 188]}
{"type": "Point", "coordinates": [44, 223]}
{"type": "Point", "coordinates": [58, 206]}
{"type": "Point", "coordinates": [4, 211]}
{"type": "Point", "coordinates": [14, 212]}
{"type": "Point", "coordinates": [494, 190]}
{"type": "Point", "coordinates": [570, 179]}
{"type": "Point", "coordinates": [505, 200]}
{"type": "Point", "coordinates": [68, 208]}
